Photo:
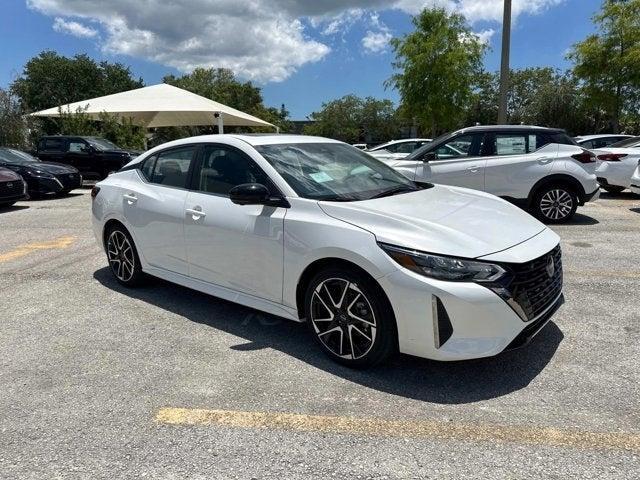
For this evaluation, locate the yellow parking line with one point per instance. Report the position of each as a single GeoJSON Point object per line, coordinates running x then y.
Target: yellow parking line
{"type": "Point", "coordinates": [22, 250]}
{"type": "Point", "coordinates": [602, 273]}
{"type": "Point", "coordinates": [546, 436]}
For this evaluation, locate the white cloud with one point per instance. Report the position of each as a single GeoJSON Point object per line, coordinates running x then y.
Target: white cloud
{"type": "Point", "coordinates": [480, 10]}
{"type": "Point", "coordinates": [263, 40]}
{"type": "Point", "coordinates": [485, 36]}
{"type": "Point", "coordinates": [376, 42]}
{"type": "Point", "coordinates": [251, 37]}
{"type": "Point", "coordinates": [73, 28]}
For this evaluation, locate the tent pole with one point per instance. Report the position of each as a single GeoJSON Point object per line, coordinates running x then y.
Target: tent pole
{"type": "Point", "coordinates": [218, 115]}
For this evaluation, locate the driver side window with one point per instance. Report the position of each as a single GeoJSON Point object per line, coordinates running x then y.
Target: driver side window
{"type": "Point", "coordinates": [458, 147]}
{"type": "Point", "coordinates": [223, 168]}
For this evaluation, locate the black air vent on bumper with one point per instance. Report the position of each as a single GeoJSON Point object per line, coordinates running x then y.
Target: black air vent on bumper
{"type": "Point", "coordinates": [442, 328]}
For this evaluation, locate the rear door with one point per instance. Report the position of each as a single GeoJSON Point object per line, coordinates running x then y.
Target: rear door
{"type": "Point", "coordinates": [456, 162]}
{"type": "Point", "coordinates": [52, 149]}
{"type": "Point", "coordinates": [155, 207]}
{"type": "Point", "coordinates": [515, 161]}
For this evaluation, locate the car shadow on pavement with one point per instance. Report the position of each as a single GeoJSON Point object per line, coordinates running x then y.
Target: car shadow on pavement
{"type": "Point", "coordinates": [12, 208]}
{"type": "Point", "coordinates": [581, 219]}
{"type": "Point", "coordinates": [625, 195]}
{"type": "Point", "coordinates": [41, 198]}
{"type": "Point", "coordinates": [411, 377]}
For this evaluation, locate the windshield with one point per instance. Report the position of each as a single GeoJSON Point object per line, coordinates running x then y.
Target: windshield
{"type": "Point", "coordinates": [10, 155]}
{"type": "Point", "coordinates": [102, 143]}
{"type": "Point", "coordinates": [334, 171]}
{"type": "Point", "coordinates": [627, 142]}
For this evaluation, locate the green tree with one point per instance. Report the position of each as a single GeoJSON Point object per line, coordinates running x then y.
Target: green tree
{"type": "Point", "coordinates": [50, 79]}
{"type": "Point", "coordinates": [437, 66]}
{"type": "Point", "coordinates": [16, 129]}
{"type": "Point", "coordinates": [609, 62]}
{"type": "Point", "coordinates": [354, 119]}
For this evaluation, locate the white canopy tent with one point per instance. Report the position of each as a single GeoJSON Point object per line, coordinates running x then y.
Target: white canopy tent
{"type": "Point", "coordinates": [161, 106]}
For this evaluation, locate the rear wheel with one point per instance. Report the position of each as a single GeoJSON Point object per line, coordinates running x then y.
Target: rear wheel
{"type": "Point", "coordinates": [555, 204]}
{"type": "Point", "coordinates": [613, 188]}
{"type": "Point", "coordinates": [123, 257]}
{"type": "Point", "coordinates": [350, 317]}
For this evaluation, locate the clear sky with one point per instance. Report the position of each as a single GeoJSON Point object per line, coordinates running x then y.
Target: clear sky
{"type": "Point", "coordinates": [300, 52]}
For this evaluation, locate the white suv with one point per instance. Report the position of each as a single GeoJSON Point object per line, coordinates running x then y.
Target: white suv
{"type": "Point", "coordinates": [541, 169]}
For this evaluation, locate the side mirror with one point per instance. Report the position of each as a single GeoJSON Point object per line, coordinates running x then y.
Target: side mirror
{"type": "Point", "coordinates": [429, 156]}
{"type": "Point", "coordinates": [249, 194]}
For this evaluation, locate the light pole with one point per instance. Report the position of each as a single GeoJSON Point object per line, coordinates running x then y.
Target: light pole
{"type": "Point", "coordinates": [504, 65]}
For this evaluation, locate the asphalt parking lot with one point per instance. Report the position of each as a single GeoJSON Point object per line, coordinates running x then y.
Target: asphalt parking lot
{"type": "Point", "coordinates": [97, 381]}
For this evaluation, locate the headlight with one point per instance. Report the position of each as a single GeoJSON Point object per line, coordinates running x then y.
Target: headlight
{"type": "Point", "coordinates": [42, 173]}
{"type": "Point", "coordinates": [444, 268]}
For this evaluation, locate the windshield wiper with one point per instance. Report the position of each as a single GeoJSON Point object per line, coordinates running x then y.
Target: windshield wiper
{"type": "Point", "coordinates": [394, 191]}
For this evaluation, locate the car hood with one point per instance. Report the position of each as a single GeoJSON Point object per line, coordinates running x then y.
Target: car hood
{"type": "Point", "coordinates": [7, 175]}
{"type": "Point", "coordinates": [445, 220]}
{"type": "Point", "coordinates": [52, 168]}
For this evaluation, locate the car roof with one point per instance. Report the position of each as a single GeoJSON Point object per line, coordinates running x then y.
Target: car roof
{"type": "Point", "coordinates": [583, 138]}
{"type": "Point", "coordinates": [507, 128]}
{"type": "Point", "coordinates": [251, 139]}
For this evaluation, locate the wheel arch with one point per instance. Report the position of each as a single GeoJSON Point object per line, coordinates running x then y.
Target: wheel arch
{"type": "Point", "coordinates": [110, 224]}
{"type": "Point", "coordinates": [332, 262]}
{"type": "Point", "coordinates": [557, 179]}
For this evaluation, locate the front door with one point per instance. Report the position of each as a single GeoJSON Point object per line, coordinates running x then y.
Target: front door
{"type": "Point", "coordinates": [455, 162]}
{"type": "Point", "coordinates": [154, 208]}
{"type": "Point", "coordinates": [234, 246]}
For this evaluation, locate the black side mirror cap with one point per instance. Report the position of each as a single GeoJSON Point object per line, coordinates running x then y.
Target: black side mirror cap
{"type": "Point", "coordinates": [255, 194]}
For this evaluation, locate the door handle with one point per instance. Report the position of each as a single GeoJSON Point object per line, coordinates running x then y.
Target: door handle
{"type": "Point", "coordinates": [544, 160]}
{"type": "Point", "coordinates": [130, 198]}
{"type": "Point", "coordinates": [196, 212]}
{"type": "Point", "coordinates": [474, 169]}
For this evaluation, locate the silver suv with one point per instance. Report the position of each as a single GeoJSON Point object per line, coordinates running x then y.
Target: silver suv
{"type": "Point", "coordinates": [540, 169]}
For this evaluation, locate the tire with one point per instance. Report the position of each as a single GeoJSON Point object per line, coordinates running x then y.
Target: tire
{"type": "Point", "coordinates": [123, 258]}
{"type": "Point", "coordinates": [556, 203]}
{"type": "Point", "coordinates": [62, 193]}
{"type": "Point", "coordinates": [613, 188]}
{"type": "Point", "coordinates": [358, 339]}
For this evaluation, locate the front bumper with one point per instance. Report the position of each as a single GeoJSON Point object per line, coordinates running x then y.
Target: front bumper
{"type": "Point", "coordinates": [56, 184]}
{"type": "Point", "coordinates": [635, 188]}
{"type": "Point", "coordinates": [479, 323]}
{"type": "Point", "coordinates": [617, 174]}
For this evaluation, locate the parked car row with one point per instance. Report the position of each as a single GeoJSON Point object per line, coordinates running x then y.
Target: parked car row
{"type": "Point", "coordinates": [59, 165]}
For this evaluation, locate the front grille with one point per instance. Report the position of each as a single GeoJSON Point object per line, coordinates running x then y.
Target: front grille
{"type": "Point", "coordinates": [538, 283]}
{"type": "Point", "coordinates": [16, 188]}
{"type": "Point", "coordinates": [69, 180]}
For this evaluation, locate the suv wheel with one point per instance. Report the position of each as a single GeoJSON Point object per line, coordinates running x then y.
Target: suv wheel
{"type": "Point", "coordinates": [555, 204]}
{"type": "Point", "coordinates": [123, 257]}
{"type": "Point", "coordinates": [350, 318]}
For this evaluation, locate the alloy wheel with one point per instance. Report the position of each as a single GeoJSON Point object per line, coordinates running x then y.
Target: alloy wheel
{"type": "Point", "coordinates": [556, 204]}
{"type": "Point", "coordinates": [343, 319]}
{"type": "Point", "coordinates": [121, 257]}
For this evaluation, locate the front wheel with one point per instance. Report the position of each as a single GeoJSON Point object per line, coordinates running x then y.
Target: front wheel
{"type": "Point", "coordinates": [123, 257]}
{"type": "Point", "coordinates": [350, 318]}
{"type": "Point", "coordinates": [555, 204]}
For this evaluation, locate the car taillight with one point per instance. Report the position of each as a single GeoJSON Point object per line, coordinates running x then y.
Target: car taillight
{"type": "Point", "coordinates": [611, 157]}
{"type": "Point", "coordinates": [94, 192]}
{"type": "Point", "coordinates": [584, 157]}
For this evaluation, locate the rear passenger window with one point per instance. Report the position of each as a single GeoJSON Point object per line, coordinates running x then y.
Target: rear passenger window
{"type": "Point", "coordinates": [508, 144]}
{"type": "Point", "coordinates": [54, 144]}
{"type": "Point", "coordinates": [172, 167]}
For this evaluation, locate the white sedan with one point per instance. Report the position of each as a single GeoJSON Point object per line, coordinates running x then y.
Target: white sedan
{"type": "Point", "coordinates": [616, 167]}
{"type": "Point", "coordinates": [315, 230]}
{"type": "Point", "coordinates": [397, 149]}
{"type": "Point", "coordinates": [635, 180]}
